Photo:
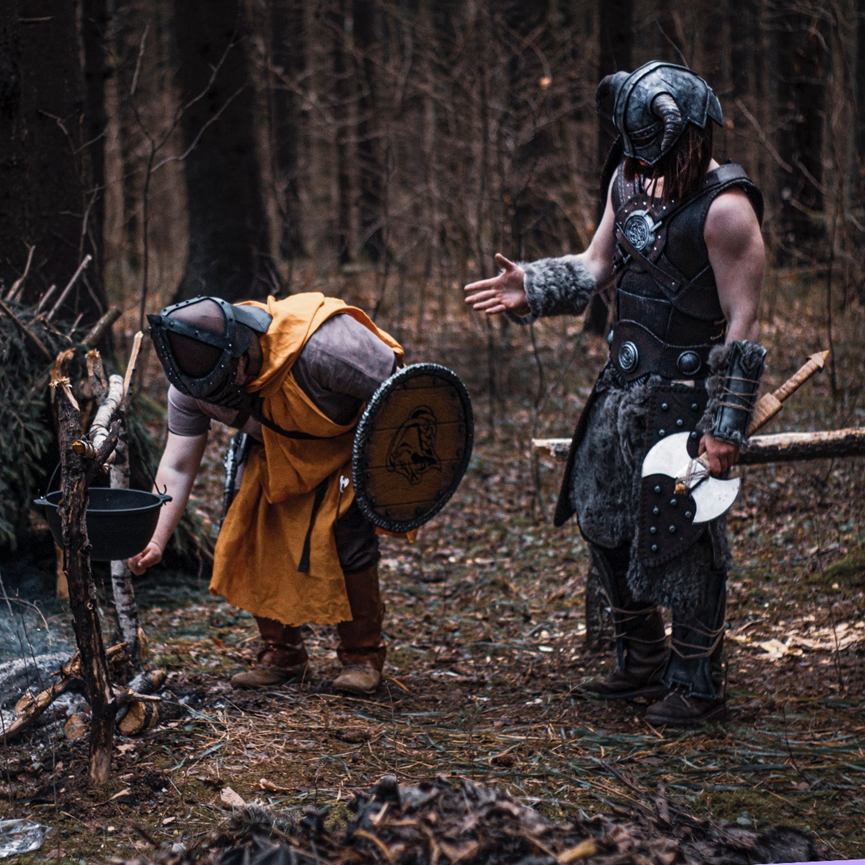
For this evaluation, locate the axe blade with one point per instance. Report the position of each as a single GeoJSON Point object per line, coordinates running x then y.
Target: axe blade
{"type": "Point", "coordinates": [712, 496]}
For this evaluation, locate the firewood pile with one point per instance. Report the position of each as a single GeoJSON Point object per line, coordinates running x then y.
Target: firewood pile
{"type": "Point", "coordinates": [445, 822]}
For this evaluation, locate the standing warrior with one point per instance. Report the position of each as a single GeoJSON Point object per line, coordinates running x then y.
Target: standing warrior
{"type": "Point", "coordinates": [294, 547]}
{"type": "Point", "coordinates": [681, 236]}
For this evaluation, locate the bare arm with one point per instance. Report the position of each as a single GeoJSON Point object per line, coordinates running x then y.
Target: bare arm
{"type": "Point", "coordinates": [738, 258]}
{"type": "Point", "coordinates": [507, 292]}
{"type": "Point", "coordinates": [178, 468]}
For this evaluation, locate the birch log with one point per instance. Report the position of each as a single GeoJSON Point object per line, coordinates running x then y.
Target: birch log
{"type": "Point", "coordinates": [761, 450]}
{"type": "Point", "coordinates": [121, 577]}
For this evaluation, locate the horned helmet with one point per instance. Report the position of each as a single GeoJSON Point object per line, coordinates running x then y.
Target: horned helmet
{"type": "Point", "coordinates": [651, 107]}
{"type": "Point", "coordinates": [200, 342]}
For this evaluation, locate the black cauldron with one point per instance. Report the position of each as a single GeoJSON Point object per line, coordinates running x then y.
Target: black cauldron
{"type": "Point", "coordinates": [120, 523]}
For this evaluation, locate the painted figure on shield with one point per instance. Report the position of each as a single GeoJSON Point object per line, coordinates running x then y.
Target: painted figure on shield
{"type": "Point", "coordinates": [293, 374]}
{"type": "Point", "coordinates": [680, 236]}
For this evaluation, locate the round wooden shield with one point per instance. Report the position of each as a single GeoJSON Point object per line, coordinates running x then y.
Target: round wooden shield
{"type": "Point", "coordinates": [412, 446]}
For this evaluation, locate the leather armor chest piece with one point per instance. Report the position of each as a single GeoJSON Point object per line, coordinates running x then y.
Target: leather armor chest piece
{"type": "Point", "coordinates": [668, 314]}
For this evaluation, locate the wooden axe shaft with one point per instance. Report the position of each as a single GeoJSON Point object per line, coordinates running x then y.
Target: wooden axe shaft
{"type": "Point", "coordinates": [770, 404]}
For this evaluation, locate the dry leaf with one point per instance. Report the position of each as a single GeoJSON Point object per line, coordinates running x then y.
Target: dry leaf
{"type": "Point", "coordinates": [230, 798]}
{"type": "Point", "coordinates": [582, 851]}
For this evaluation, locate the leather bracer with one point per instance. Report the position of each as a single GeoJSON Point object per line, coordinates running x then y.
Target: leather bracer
{"type": "Point", "coordinates": [736, 371]}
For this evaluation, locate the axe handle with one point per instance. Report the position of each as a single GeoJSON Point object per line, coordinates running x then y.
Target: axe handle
{"type": "Point", "coordinates": [767, 407]}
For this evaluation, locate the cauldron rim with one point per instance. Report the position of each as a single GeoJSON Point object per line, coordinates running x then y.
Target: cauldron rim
{"type": "Point", "coordinates": [135, 525]}
{"type": "Point", "coordinates": [154, 500]}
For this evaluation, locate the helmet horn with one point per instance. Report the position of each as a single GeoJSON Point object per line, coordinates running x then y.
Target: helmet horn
{"type": "Point", "coordinates": [665, 108]}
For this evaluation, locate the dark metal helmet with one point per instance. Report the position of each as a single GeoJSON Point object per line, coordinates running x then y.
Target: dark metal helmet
{"type": "Point", "coordinates": [652, 106]}
{"type": "Point", "coordinates": [200, 342]}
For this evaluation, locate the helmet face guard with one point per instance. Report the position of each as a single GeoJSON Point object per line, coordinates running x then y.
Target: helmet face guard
{"type": "Point", "coordinates": [652, 106]}
{"type": "Point", "coordinates": [240, 323]}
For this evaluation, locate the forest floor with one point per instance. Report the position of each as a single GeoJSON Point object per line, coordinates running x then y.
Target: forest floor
{"type": "Point", "coordinates": [486, 639]}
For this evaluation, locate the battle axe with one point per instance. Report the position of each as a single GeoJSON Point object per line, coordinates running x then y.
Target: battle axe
{"type": "Point", "coordinates": [714, 496]}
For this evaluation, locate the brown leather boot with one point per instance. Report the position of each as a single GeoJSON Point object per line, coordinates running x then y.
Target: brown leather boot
{"type": "Point", "coordinates": [695, 671]}
{"type": "Point", "coordinates": [645, 652]}
{"type": "Point", "coordinates": [361, 650]}
{"type": "Point", "coordinates": [281, 659]}
{"type": "Point", "coordinates": [641, 642]}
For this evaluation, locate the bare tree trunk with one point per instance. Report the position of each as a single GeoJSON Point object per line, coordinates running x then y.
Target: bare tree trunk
{"type": "Point", "coordinates": [616, 41]}
{"type": "Point", "coordinates": [860, 78]}
{"type": "Point", "coordinates": [228, 237]}
{"type": "Point", "coordinates": [370, 167]}
{"type": "Point", "coordinates": [802, 89]}
{"type": "Point", "coordinates": [342, 94]}
{"type": "Point", "coordinates": [82, 590]}
{"type": "Point", "coordinates": [46, 183]}
{"type": "Point", "coordinates": [95, 28]}
{"type": "Point", "coordinates": [287, 46]}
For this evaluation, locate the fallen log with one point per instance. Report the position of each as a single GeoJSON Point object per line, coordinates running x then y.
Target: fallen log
{"type": "Point", "coordinates": [761, 450]}
{"type": "Point", "coordinates": [29, 709]}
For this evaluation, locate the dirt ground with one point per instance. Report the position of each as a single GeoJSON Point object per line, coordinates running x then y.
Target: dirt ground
{"type": "Point", "coordinates": [486, 633]}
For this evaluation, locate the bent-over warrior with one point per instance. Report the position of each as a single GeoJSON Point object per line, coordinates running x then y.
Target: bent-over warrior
{"type": "Point", "coordinates": [681, 236]}
{"type": "Point", "coordinates": [293, 374]}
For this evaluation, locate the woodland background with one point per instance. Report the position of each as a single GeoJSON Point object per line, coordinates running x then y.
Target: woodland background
{"type": "Point", "coordinates": [383, 152]}
{"type": "Point", "coordinates": [247, 147]}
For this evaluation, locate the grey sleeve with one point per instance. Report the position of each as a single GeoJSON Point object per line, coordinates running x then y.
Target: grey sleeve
{"type": "Point", "coordinates": [556, 286]}
{"type": "Point", "coordinates": [185, 417]}
{"type": "Point", "coordinates": [341, 367]}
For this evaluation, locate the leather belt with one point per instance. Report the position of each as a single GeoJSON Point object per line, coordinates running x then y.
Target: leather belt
{"type": "Point", "coordinates": [636, 352]}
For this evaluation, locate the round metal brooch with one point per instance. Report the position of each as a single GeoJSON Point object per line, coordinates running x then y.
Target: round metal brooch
{"type": "Point", "coordinates": [640, 228]}
{"type": "Point", "coordinates": [629, 356]}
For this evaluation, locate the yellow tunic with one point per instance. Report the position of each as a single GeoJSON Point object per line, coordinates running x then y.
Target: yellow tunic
{"type": "Point", "coordinates": [262, 538]}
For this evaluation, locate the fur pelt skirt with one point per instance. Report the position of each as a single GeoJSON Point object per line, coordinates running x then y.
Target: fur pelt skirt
{"type": "Point", "coordinates": [605, 489]}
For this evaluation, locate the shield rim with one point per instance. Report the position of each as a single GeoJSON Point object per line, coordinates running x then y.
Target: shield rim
{"type": "Point", "coordinates": [363, 430]}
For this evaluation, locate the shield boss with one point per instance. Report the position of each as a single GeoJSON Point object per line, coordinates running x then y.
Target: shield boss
{"type": "Point", "coordinates": [412, 446]}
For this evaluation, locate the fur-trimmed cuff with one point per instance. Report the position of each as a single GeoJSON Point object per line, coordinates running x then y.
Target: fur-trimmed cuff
{"type": "Point", "coordinates": [557, 286]}
{"type": "Point", "coordinates": [736, 369]}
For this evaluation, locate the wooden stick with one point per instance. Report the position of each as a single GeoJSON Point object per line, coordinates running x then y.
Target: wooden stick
{"type": "Point", "coordinates": [96, 374]}
{"type": "Point", "coordinates": [82, 589]}
{"type": "Point", "coordinates": [18, 285]}
{"type": "Point", "coordinates": [130, 367]}
{"type": "Point", "coordinates": [26, 331]}
{"type": "Point", "coordinates": [100, 327]}
{"type": "Point", "coordinates": [87, 259]}
{"type": "Point", "coordinates": [45, 298]}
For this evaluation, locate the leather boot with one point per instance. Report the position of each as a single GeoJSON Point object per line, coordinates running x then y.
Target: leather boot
{"type": "Point", "coordinates": [641, 649]}
{"type": "Point", "coordinates": [694, 672]}
{"type": "Point", "coordinates": [281, 659]}
{"type": "Point", "coordinates": [361, 650]}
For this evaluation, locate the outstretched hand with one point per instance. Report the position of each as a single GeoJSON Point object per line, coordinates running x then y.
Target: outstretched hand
{"type": "Point", "coordinates": [149, 556]}
{"type": "Point", "coordinates": [502, 293]}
